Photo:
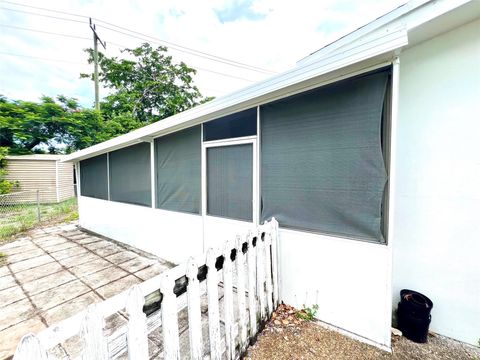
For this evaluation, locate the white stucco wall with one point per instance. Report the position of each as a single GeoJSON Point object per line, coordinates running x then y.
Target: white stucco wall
{"type": "Point", "coordinates": [437, 244]}
{"type": "Point", "coordinates": [348, 279]}
{"type": "Point", "coordinates": [171, 235]}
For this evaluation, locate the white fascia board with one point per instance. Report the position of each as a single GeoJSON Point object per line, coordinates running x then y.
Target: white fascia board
{"type": "Point", "coordinates": [434, 10]}
{"type": "Point", "coordinates": [407, 16]}
{"type": "Point", "coordinates": [268, 90]}
{"type": "Point", "coordinates": [362, 31]}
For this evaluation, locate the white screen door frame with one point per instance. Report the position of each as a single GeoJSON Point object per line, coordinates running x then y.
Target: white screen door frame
{"type": "Point", "coordinates": [216, 230]}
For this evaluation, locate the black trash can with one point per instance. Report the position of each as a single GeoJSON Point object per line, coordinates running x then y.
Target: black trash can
{"type": "Point", "coordinates": [413, 315]}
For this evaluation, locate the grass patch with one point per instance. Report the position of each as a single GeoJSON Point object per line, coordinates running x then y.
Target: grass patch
{"type": "Point", "coordinates": [19, 218]}
{"type": "Point", "coordinates": [3, 259]}
{"type": "Point", "coordinates": [308, 313]}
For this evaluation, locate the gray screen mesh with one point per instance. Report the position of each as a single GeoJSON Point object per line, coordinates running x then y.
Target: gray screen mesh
{"type": "Point", "coordinates": [178, 170]}
{"type": "Point", "coordinates": [130, 175]}
{"type": "Point", "coordinates": [93, 177]}
{"type": "Point", "coordinates": [230, 181]}
{"type": "Point", "coordinates": [322, 162]}
{"type": "Point", "coordinates": [243, 123]}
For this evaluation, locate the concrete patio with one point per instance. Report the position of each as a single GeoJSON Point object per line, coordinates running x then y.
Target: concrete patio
{"type": "Point", "coordinates": [54, 272]}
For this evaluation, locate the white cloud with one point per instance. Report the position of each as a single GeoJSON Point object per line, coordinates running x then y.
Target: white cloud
{"type": "Point", "coordinates": [286, 32]}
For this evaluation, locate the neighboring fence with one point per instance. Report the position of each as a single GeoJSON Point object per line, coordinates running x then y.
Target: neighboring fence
{"type": "Point", "coordinates": [22, 210]}
{"type": "Point", "coordinates": [246, 272]}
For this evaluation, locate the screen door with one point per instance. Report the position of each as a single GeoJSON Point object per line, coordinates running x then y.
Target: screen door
{"type": "Point", "coordinates": [229, 190]}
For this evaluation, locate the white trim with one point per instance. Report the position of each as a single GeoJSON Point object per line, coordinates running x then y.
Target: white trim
{"type": "Point", "coordinates": [39, 157]}
{"type": "Point", "coordinates": [204, 186]}
{"type": "Point", "coordinates": [108, 176]}
{"type": "Point", "coordinates": [257, 206]}
{"type": "Point", "coordinates": [152, 174]}
{"type": "Point", "coordinates": [409, 15]}
{"type": "Point", "coordinates": [57, 193]}
{"type": "Point", "coordinates": [77, 170]}
{"type": "Point", "coordinates": [392, 191]}
{"type": "Point", "coordinates": [202, 166]}
{"type": "Point", "coordinates": [362, 31]}
{"type": "Point", "coordinates": [231, 142]}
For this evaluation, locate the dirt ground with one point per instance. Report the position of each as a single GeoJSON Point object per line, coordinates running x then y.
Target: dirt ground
{"type": "Point", "coordinates": [286, 337]}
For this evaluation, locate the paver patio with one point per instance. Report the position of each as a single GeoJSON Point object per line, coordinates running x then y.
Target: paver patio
{"type": "Point", "coordinates": [54, 272]}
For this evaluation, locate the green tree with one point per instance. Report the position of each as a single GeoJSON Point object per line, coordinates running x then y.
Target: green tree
{"type": "Point", "coordinates": [5, 185]}
{"type": "Point", "coordinates": [148, 86]}
{"type": "Point", "coordinates": [27, 127]}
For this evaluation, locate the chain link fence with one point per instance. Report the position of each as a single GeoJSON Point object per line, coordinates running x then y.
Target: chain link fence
{"type": "Point", "coordinates": [22, 210]}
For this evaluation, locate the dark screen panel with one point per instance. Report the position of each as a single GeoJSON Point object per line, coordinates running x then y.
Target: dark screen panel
{"type": "Point", "coordinates": [178, 160]}
{"type": "Point", "coordinates": [230, 181]}
{"type": "Point", "coordinates": [240, 124]}
{"type": "Point", "coordinates": [322, 162]}
{"type": "Point", "coordinates": [94, 177]}
{"type": "Point", "coordinates": [130, 178]}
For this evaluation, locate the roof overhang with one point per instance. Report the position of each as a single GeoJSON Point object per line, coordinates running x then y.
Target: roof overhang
{"type": "Point", "coordinates": [374, 48]}
{"type": "Point", "coordinates": [36, 157]}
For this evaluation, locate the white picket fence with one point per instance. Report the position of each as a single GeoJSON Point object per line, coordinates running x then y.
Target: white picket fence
{"type": "Point", "coordinates": [249, 279]}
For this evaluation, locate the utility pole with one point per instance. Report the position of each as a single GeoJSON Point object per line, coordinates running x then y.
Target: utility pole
{"type": "Point", "coordinates": [96, 39]}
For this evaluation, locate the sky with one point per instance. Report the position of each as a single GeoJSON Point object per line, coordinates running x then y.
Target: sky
{"type": "Point", "coordinates": [236, 42]}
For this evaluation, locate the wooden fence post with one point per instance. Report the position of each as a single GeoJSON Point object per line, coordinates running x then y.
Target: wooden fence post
{"type": "Point", "coordinates": [252, 301]}
{"type": "Point", "coordinates": [213, 311]}
{"type": "Point", "coordinates": [137, 334]}
{"type": "Point", "coordinates": [30, 347]}
{"type": "Point", "coordinates": [95, 343]}
{"type": "Point", "coordinates": [171, 341]}
{"type": "Point", "coordinates": [261, 275]}
{"type": "Point", "coordinates": [268, 271]}
{"type": "Point", "coordinates": [242, 311]}
{"type": "Point", "coordinates": [274, 232]}
{"type": "Point", "coordinates": [194, 313]}
{"type": "Point", "coordinates": [228, 301]}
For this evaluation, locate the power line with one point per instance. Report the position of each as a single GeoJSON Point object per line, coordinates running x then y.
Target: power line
{"type": "Point", "coordinates": [223, 74]}
{"type": "Point", "coordinates": [73, 62]}
{"type": "Point", "coordinates": [42, 58]}
{"type": "Point", "coordinates": [187, 49]}
{"type": "Point", "coordinates": [44, 32]}
{"type": "Point", "coordinates": [45, 9]}
{"type": "Point", "coordinates": [44, 15]}
{"type": "Point", "coordinates": [162, 43]}
{"type": "Point", "coordinates": [120, 47]}
{"type": "Point", "coordinates": [170, 44]}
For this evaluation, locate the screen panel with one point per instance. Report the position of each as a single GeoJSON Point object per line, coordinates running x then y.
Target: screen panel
{"type": "Point", "coordinates": [230, 181]}
{"type": "Point", "coordinates": [178, 160]}
{"type": "Point", "coordinates": [322, 163]}
{"type": "Point", "coordinates": [240, 124]}
{"type": "Point", "coordinates": [94, 177]}
{"type": "Point", "coordinates": [130, 175]}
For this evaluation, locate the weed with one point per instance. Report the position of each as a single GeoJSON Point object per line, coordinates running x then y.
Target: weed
{"type": "Point", "coordinates": [72, 216]}
{"type": "Point", "coordinates": [308, 313]}
{"type": "Point", "coordinates": [3, 259]}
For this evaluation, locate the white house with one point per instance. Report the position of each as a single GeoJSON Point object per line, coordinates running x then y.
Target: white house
{"type": "Point", "coordinates": [367, 152]}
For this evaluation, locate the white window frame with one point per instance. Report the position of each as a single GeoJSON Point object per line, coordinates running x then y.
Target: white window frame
{"type": "Point", "coordinates": [230, 142]}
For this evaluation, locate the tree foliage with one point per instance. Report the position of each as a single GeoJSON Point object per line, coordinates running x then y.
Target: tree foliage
{"type": "Point", "coordinates": [27, 127]}
{"type": "Point", "coordinates": [5, 185]}
{"type": "Point", "coordinates": [147, 85]}
{"type": "Point", "coordinates": [145, 88]}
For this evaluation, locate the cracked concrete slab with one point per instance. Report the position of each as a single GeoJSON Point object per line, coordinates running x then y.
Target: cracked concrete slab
{"type": "Point", "coordinates": [55, 272]}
